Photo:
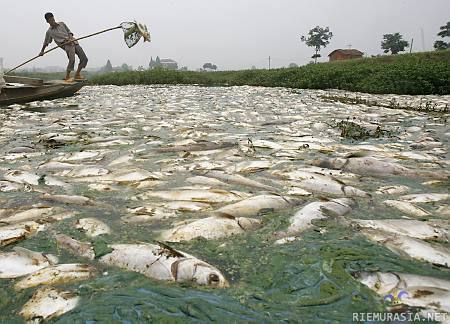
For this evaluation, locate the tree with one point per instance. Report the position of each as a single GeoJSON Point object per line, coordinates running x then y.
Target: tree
{"type": "Point", "coordinates": [318, 37]}
{"type": "Point", "coordinates": [209, 66]}
{"type": "Point", "coordinates": [440, 45]}
{"type": "Point", "coordinates": [125, 67]}
{"type": "Point", "coordinates": [393, 43]}
{"type": "Point", "coordinates": [293, 65]}
{"type": "Point", "coordinates": [108, 67]}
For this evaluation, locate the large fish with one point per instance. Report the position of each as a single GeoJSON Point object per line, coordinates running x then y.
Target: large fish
{"type": "Point", "coordinates": [410, 247]}
{"type": "Point", "coordinates": [213, 227]}
{"type": "Point", "coordinates": [253, 205]}
{"type": "Point", "coordinates": [235, 179]}
{"type": "Point", "coordinates": [48, 302]}
{"type": "Point", "coordinates": [322, 184]}
{"type": "Point", "coordinates": [195, 146]}
{"type": "Point", "coordinates": [409, 289]}
{"type": "Point", "coordinates": [164, 263]}
{"type": "Point", "coordinates": [75, 247]}
{"type": "Point", "coordinates": [425, 197]}
{"type": "Point", "coordinates": [373, 167]}
{"type": "Point", "coordinates": [302, 220]}
{"type": "Point", "coordinates": [198, 195]}
{"type": "Point", "coordinates": [57, 274]}
{"type": "Point", "coordinates": [409, 227]}
{"type": "Point", "coordinates": [21, 262]}
{"type": "Point", "coordinates": [407, 208]}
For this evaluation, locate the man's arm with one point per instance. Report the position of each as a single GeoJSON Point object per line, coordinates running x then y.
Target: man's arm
{"type": "Point", "coordinates": [48, 39]}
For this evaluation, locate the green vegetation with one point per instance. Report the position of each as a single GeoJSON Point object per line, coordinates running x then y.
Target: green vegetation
{"type": "Point", "coordinates": [414, 74]}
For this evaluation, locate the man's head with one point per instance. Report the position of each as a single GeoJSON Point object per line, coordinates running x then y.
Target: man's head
{"type": "Point", "coordinates": [50, 19]}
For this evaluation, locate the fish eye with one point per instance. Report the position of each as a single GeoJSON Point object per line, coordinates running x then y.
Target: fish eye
{"type": "Point", "coordinates": [213, 279]}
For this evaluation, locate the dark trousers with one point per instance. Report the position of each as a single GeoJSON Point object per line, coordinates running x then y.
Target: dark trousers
{"type": "Point", "coordinates": [71, 50]}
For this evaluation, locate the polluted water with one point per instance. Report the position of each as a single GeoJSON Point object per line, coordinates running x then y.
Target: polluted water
{"type": "Point", "coordinates": [229, 204]}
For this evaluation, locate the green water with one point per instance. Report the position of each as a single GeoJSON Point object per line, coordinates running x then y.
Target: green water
{"type": "Point", "coordinates": [308, 280]}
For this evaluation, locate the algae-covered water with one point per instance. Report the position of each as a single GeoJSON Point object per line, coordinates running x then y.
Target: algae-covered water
{"type": "Point", "coordinates": [307, 280]}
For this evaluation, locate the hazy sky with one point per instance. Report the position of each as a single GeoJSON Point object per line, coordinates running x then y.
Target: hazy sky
{"type": "Point", "coordinates": [233, 34]}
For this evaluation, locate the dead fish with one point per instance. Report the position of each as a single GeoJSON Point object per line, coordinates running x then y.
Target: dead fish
{"type": "Point", "coordinates": [21, 262]}
{"type": "Point", "coordinates": [201, 180]}
{"type": "Point", "coordinates": [407, 208]}
{"type": "Point", "coordinates": [133, 175]}
{"type": "Point", "coordinates": [92, 226]}
{"type": "Point", "coordinates": [147, 213]}
{"type": "Point", "coordinates": [18, 215]}
{"type": "Point", "coordinates": [121, 160]}
{"type": "Point", "coordinates": [56, 275]}
{"type": "Point", "coordinates": [164, 263]}
{"type": "Point", "coordinates": [253, 205]}
{"type": "Point", "coordinates": [214, 227]}
{"type": "Point", "coordinates": [75, 247]}
{"type": "Point", "coordinates": [22, 177]}
{"type": "Point", "coordinates": [250, 166]}
{"type": "Point", "coordinates": [198, 195]}
{"type": "Point", "coordinates": [79, 156]}
{"type": "Point", "coordinates": [7, 186]}
{"type": "Point", "coordinates": [332, 187]}
{"type": "Point", "coordinates": [302, 220]}
{"type": "Point", "coordinates": [406, 246]}
{"type": "Point", "coordinates": [196, 146]}
{"type": "Point", "coordinates": [373, 167]}
{"type": "Point", "coordinates": [418, 291]}
{"type": "Point", "coordinates": [235, 179]}
{"type": "Point", "coordinates": [409, 227]}
{"type": "Point", "coordinates": [392, 190]}
{"type": "Point", "coordinates": [66, 199]}
{"type": "Point", "coordinates": [85, 171]}
{"type": "Point", "coordinates": [425, 197]}
{"type": "Point", "coordinates": [16, 232]}
{"type": "Point", "coordinates": [57, 166]}
{"type": "Point", "coordinates": [49, 302]}
{"type": "Point", "coordinates": [187, 206]}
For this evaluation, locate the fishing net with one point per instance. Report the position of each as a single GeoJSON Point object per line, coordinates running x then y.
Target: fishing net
{"type": "Point", "coordinates": [133, 31]}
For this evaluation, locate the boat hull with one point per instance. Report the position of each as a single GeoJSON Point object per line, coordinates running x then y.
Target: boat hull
{"type": "Point", "coordinates": [47, 91]}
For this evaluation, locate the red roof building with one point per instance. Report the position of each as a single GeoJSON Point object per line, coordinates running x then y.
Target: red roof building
{"type": "Point", "coordinates": [345, 54]}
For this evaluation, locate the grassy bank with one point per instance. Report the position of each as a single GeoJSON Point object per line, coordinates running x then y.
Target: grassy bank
{"type": "Point", "coordinates": [421, 73]}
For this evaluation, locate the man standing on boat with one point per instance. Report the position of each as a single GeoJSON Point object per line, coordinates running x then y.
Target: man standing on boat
{"type": "Point", "coordinates": [60, 33]}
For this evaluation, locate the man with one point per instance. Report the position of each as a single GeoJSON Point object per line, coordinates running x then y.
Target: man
{"type": "Point", "coordinates": [61, 34]}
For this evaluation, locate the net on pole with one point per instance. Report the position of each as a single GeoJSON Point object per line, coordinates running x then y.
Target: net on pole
{"type": "Point", "coordinates": [133, 31]}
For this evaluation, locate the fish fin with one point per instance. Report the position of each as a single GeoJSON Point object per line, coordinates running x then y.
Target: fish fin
{"type": "Point", "coordinates": [223, 215]}
{"type": "Point", "coordinates": [169, 250]}
{"type": "Point", "coordinates": [174, 269]}
{"type": "Point", "coordinates": [357, 154]}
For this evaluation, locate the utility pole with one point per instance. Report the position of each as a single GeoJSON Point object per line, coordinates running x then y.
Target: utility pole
{"type": "Point", "coordinates": [269, 62]}
{"type": "Point", "coordinates": [412, 42]}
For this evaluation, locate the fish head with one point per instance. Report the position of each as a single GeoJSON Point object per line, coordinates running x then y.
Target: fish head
{"type": "Point", "coordinates": [335, 163]}
{"type": "Point", "coordinates": [201, 273]}
{"type": "Point", "coordinates": [248, 223]}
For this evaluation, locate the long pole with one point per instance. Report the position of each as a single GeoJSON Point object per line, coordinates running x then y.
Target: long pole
{"type": "Point", "coordinates": [269, 62]}
{"type": "Point", "coordinates": [77, 39]}
{"type": "Point", "coordinates": [412, 43]}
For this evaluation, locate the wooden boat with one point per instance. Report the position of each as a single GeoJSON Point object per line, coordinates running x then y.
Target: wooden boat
{"type": "Point", "coordinates": [21, 89]}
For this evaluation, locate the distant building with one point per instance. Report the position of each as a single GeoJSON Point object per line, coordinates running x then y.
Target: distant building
{"type": "Point", "coordinates": [345, 54]}
{"type": "Point", "coordinates": [163, 63]}
{"type": "Point", "coordinates": [169, 64]}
